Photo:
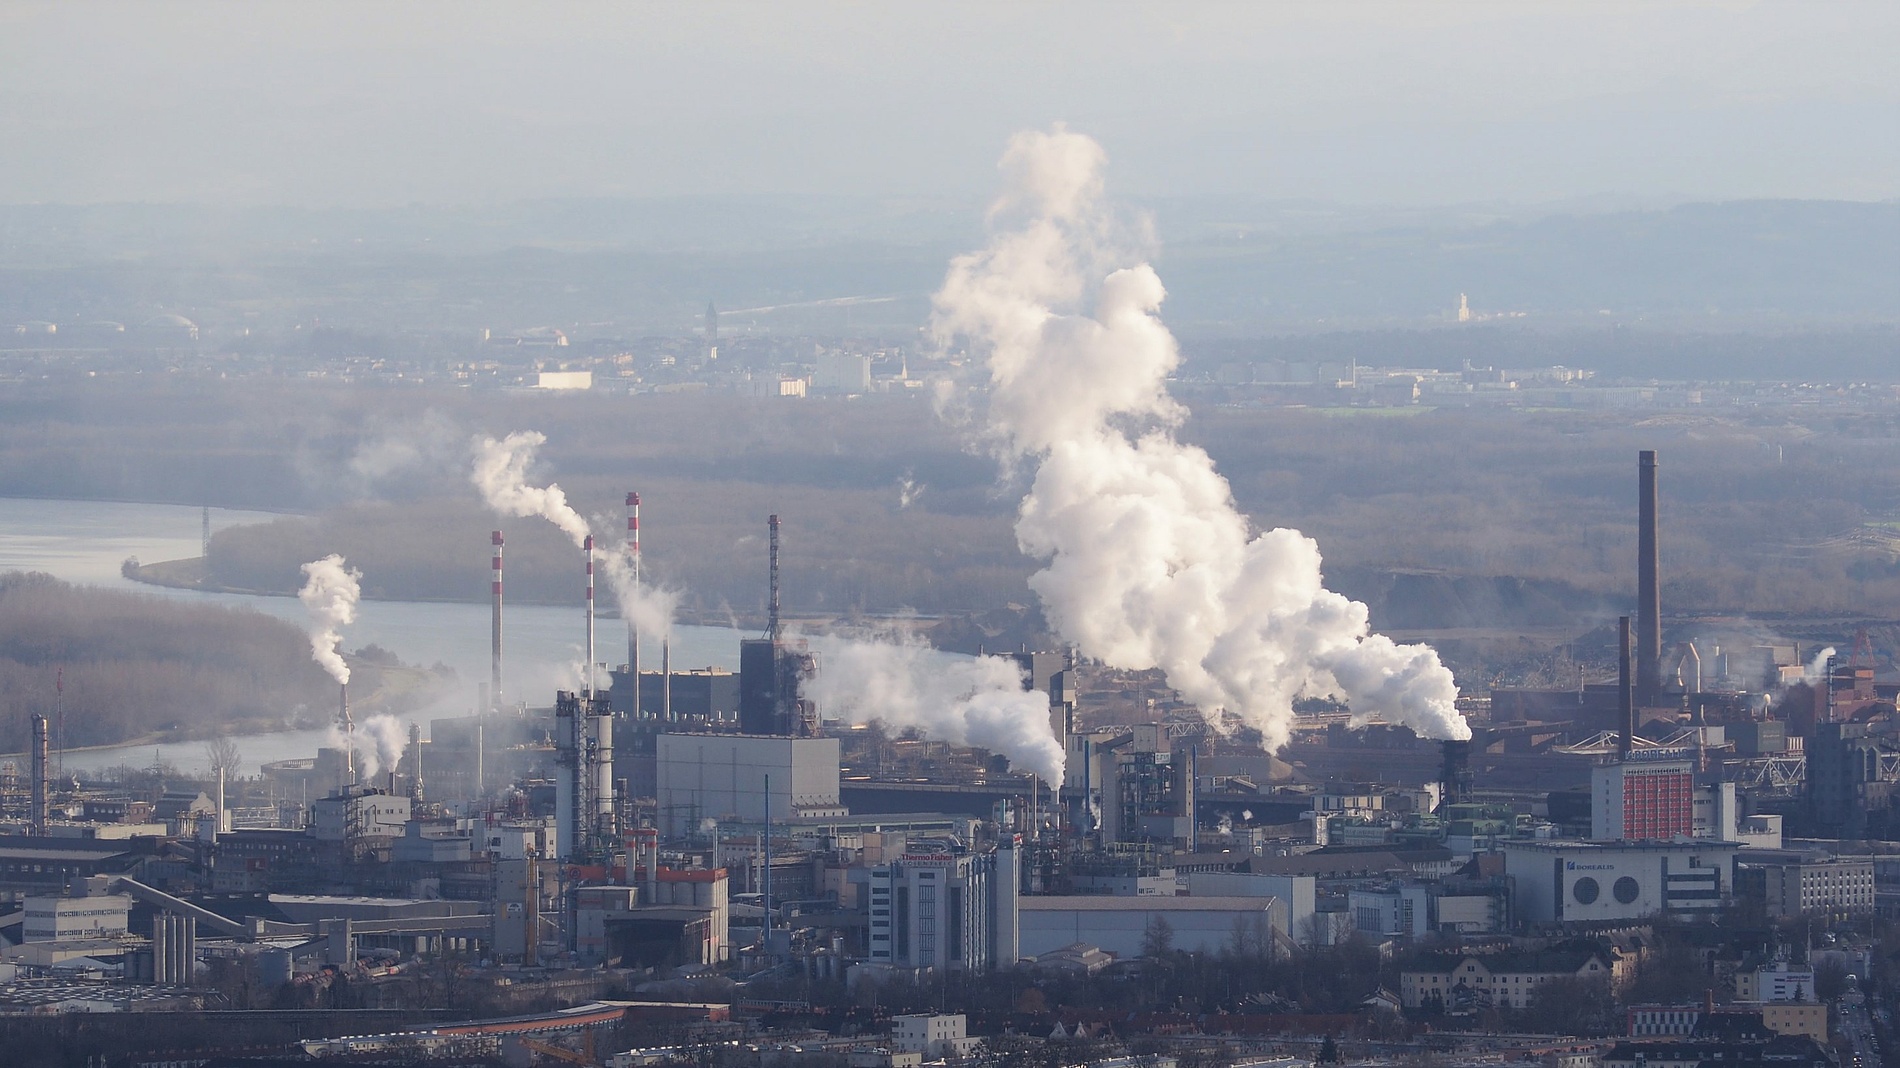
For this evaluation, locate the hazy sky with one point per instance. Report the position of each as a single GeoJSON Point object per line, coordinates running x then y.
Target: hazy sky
{"type": "Point", "coordinates": [1394, 103]}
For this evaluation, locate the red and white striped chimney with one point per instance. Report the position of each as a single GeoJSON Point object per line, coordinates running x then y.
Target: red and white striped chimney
{"type": "Point", "coordinates": [494, 670]}
{"type": "Point", "coordinates": [587, 547]}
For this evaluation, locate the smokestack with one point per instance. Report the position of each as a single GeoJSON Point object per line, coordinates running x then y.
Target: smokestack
{"type": "Point", "coordinates": [1456, 772]}
{"type": "Point", "coordinates": [415, 763]}
{"type": "Point", "coordinates": [494, 670]}
{"type": "Point", "coordinates": [666, 679]}
{"type": "Point", "coordinates": [1648, 582]}
{"type": "Point", "coordinates": [348, 727]}
{"type": "Point", "coordinates": [37, 817]}
{"type": "Point", "coordinates": [1625, 699]}
{"type": "Point", "coordinates": [587, 547]}
{"type": "Point", "coordinates": [633, 627]}
{"type": "Point", "coordinates": [772, 624]}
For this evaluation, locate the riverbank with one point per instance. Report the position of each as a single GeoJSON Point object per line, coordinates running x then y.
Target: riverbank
{"type": "Point", "coordinates": [403, 691]}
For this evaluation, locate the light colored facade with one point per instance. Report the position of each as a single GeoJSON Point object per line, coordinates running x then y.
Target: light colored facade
{"type": "Point", "coordinates": [359, 815]}
{"type": "Point", "coordinates": [1120, 924]}
{"type": "Point", "coordinates": [1297, 895]}
{"type": "Point", "coordinates": [68, 919]}
{"type": "Point", "coordinates": [936, 1036]}
{"type": "Point", "coordinates": [1799, 885]}
{"type": "Point", "coordinates": [724, 776]}
{"type": "Point", "coordinates": [942, 911]}
{"type": "Point", "coordinates": [1680, 1021]}
{"type": "Point", "coordinates": [1778, 982]}
{"type": "Point", "coordinates": [1506, 980]}
{"type": "Point", "coordinates": [1400, 910]}
{"type": "Point", "coordinates": [1582, 882]}
{"type": "Point", "coordinates": [1796, 1018]}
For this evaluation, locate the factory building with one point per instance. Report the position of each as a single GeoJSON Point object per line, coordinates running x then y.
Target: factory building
{"type": "Point", "coordinates": [1794, 883]}
{"type": "Point", "coordinates": [699, 695]}
{"type": "Point", "coordinates": [1853, 772]}
{"type": "Point", "coordinates": [1121, 925]}
{"type": "Point", "coordinates": [358, 813]}
{"type": "Point", "coordinates": [68, 919]}
{"type": "Point", "coordinates": [1585, 882]}
{"type": "Point", "coordinates": [727, 776]}
{"type": "Point", "coordinates": [1139, 781]}
{"type": "Point", "coordinates": [1642, 799]}
{"type": "Point", "coordinates": [1297, 895]}
{"type": "Point", "coordinates": [943, 910]}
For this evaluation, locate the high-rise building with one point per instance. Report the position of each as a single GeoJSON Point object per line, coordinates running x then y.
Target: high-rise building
{"type": "Point", "coordinates": [955, 911]}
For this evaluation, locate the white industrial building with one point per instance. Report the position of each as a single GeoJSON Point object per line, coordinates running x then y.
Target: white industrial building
{"type": "Point", "coordinates": [1297, 895]}
{"type": "Point", "coordinates": [956, 911]}
{"type": "Point", "coordinates": [1775, 982]}
{"type": "Point", "coordinates": [1403, 910]}
{"type": "Point", "coordinates": [1579, 882]}
{"type": "Point", "coordinates": [66, 919]}
{"type": "Point", "coordinates": [1121, 924]}
{"type": "Point", "coordinates": [725, 776]}
{"type": "Point", "coordinates": [1798, 883]}
{"type": "Point", "coordinates": [937, 1036]}
{"type": "Point", "coordinates": [359, 812]}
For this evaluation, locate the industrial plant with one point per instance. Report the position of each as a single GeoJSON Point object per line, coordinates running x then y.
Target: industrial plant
{"type": "Point", "coordinates": [658, 822]}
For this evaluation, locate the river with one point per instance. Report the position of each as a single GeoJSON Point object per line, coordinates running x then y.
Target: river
{"type": "Point", "coordinates": [86, 541]}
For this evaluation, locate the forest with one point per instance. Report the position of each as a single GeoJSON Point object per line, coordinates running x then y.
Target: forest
{"type": "Point", "coordinates": [1439, 518]}
{"type": "Point", "coordinates": [115, 667]}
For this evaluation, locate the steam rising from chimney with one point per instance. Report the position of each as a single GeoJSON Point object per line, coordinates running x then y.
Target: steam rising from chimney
{"type": "Point", "coordinates": [329, 594]}
{"type": "Point", "coordinates": [386, 739]}
{"type": "Point", "coordinates": [962, 700]}
{"type": "Point", "coordinates": [500, 473]}
{"type": "Point", "coordinates": [1149, 561]}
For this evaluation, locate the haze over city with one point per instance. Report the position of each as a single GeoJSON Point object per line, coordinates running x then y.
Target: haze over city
{"type": "Point", "coordinates": [1160, 536]}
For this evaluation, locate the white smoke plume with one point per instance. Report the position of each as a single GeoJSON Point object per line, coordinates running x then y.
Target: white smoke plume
{"type": "Point", "coordinates": [1816, 669]}
{"type": "Point", "coordinates": [329, 594]}
{"type": "Point", "coordinates": [383, 739]}
{"type": "Point", "coordinates": [501, 474]}
{"type": "Point", "coordinates": [959, 699]}
{"type": "Point", "coordinates": [1149, 561]}
{"type": "Point", "coordinates": [908, 490]}
{"type": "Point", "coordinates": [651, 607]}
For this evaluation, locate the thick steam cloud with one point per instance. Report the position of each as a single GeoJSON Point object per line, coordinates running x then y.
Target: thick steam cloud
{"type": "Point", "coordinates": [329, 594]}
{"type": "Point", "coordinates": [1149, 561]}
{"type": "Point", "coordinates": [384, 741]}
{"type": "Point", "coordinates": [962, 700]}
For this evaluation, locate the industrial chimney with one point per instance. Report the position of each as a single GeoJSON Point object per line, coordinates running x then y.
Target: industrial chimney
{"type": "Point", "coordinates": [587, 548]}
{"type": "Point", "coordinates": [415, 764]}
{"type": "Point", "coordinates": [633, 626]}
{"type": "Point", "coordinates": [772, 621]}
{"type": "Point", "coordinates": [348, 727]}
{"type": "Point", "coordinates": [1648, 583]}
{"type": "Point", "coordinates": [37, 818]}
{"type": "Point", "coordinates": [1456, 772]}
{"type": "Point", "coordinates": [1625, 700]}
{"type": "Point", "coordinates": [494, 669]}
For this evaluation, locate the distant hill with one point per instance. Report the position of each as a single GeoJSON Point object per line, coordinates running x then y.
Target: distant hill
{"type": "Point", "coordinates": [1234, 269]}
